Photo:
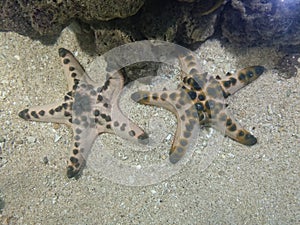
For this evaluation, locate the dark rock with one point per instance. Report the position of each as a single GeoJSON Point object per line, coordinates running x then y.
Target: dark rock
{"type": "Point", "coordinates": [262, 22]}
{"type": "Point", "coordinates": [48, 18]}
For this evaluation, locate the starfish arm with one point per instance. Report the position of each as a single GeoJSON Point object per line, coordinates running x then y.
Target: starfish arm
{"type": "Point", "coordinates": [113, 86]}
{"type": "Point", "coordinates": [233, 82]}
{"type": "Point", "coordinates": [226, 123]}
{"type": "Point", "coordinates": [180, 104]}
{"type": "Point", "coordinates": [189, 65]}
{"type": "Point", "coordinates": [127, 129]}
{"type": "Point", "coordinates": [73, 70]}
{"type": "Point", "coordinates": [55, 113]}
{"type": "Point", "coordinates": [83, 140]}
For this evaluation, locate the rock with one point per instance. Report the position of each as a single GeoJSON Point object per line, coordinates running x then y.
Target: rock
{"type": "Point", "coordinates": [262, 22]}
{"type": "Point", "coordinates": [40, 18]}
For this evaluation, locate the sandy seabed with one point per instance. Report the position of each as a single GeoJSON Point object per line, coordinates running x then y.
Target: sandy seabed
{"type": "Point", "coordinates": [223, 183]}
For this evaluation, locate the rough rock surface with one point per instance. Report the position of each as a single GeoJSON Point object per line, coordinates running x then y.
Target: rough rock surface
{"type": "Point", "coordinates": [262, 22]}
{"type": "Point", "coordinates": [101, 25]}
{"type": "Point", "coordinates": [39, 18]}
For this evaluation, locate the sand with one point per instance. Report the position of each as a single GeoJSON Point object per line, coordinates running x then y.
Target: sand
{"type": "Point", "coordinates": [223, 183]}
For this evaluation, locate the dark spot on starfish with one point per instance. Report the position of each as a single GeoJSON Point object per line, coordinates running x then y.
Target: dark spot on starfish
{"type": "Point", "coordinates": [228, 122]}
{"type": "Point", "coordinates": [58, 109]}
{"type": "Point", "coordinates": [180, 150]}
{"type": "Point", "coordinates": [106, 84]}
{"type": "Point", "coordinates": [131, 133]}
{"type": "Point", "coordinates": [42, 113]}
{"type": "Point", "coordinates": [67, 98]}
{"type": "Point", "coordinates": [70, 120]}
{"type": "Point", "coordinates": [181, 101]}
{"type": "Point", "coordinates": [199, 106]}
{"type": "Point", "coordinates": [241, 77]}
{"type": "Point", "coordinates": [232, 128]}
{"type": "Point", "coordinates": [193, 71]}
{"type": "Point", "coordinates": [183, 142]}
{"type": "Point", "coordinates": [107, 118]}
{"type": "Point", "coordinates": [75, 151]}
{"type": "Point", "coordinates": [201, 97]}
{"type": "Point", "coordinates": [51, 111]}
{"type": "Point", "coordinates": [75, 86]}
{"type": "Point", "coordinates": [218, 77]}
{"type": "Point", "coordinates": [73, 75]}
{"type": "Point", "coordinates": [143, 138]}
{"type": "Point", "coordinates": [78, 131]}
{"type": "Point", "coordinates": [227, 83]}
{"type": "Point", "coordinates": [99, 98]}
{"type": "Point", "coordinates": [154, 96]}
{"type": "Point", "coordinates": [178, 106]}
{"type": "Point", "coordinates": [249, 74]}
{"type": "Point", "coordinates": [259, 69]}
{"type": "Point", "coordinates": [116, 124]}
{"type": "Point", "coordinates": [70, 172]}
{"type": "Point", "coordinates": [71, 68]}
{"type": "Point", "coordinates": [192, 94]}
{"type": "Point", "coordinates": [77, 144]}
{"type": "Point", "coordinates": [93, 92]}
{"type": "Point", "coordinates": [96, 112]}
{"type": "Point", "coordinates": [73, 159]}
{"type": "Point", "coordinates": [122, 128]}
{"type": "Point", "coordinates": [241, 133]}
{"type": "Point", "coordinates": [34, 114]}
{"type": "Point", "coordinates": [136, 96]}
{"type": "Point", "coordinates": [76, 121]}
{"type": "Point", "coordinates": [233, 80]}
{"type": "Point", "coordinates": [62, 52]}
{"type": "Point", "coordinates": [163, 96]}
{"type": "Point", "coordinates": [64, 105]}
{"type": "Point", "coordinates": [182, 117]}
{"type": "Point", "coordinates": [108, 126]}
{"type": "Point", "coordinates": [173, 96]}
{"type": "Point", "coordinates": [187, 134]}
{"type": "Point", "coordinates": [77, 138]}
{"type": "Point", "coordinates": [83, 86]}
{"type": "Point", "coordinates": [67, 114]}
{"type": "Point", "coordinates": [189, 127]}
{"type": "Point", "coordinates": [105, 105]}
{"type": "Point", "coordinates": [66, 61]}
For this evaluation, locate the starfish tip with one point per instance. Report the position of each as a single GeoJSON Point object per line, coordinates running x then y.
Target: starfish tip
{"type": "Point", "coordinates": [259, 69]}
{"type": "Point", "coordinates": [24, 114]}
{"type": "Point", "coordinates": [143, 138]}
{"type": "Point", "coordinates": [62, 52]}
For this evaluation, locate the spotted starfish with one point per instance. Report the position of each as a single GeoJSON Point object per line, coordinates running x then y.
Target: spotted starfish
{"type": "Point", "coordinates": [90, 109]}
{"type": "Point", "coordinates": [199, 100]}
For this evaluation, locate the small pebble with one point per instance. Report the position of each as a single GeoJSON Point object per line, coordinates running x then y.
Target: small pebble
{"type": "Point", "coordinates": [2, 139]}
{"type": "Point", "coordinates": [45, 160]}
{"type": "Point", "coordinates": [31, 139]}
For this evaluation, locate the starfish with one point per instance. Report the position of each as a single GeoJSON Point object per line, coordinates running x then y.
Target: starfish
{"type": "Point", "coordinates": [198, 100]}
{"type": "Point", "coordinates": [89, 108]}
